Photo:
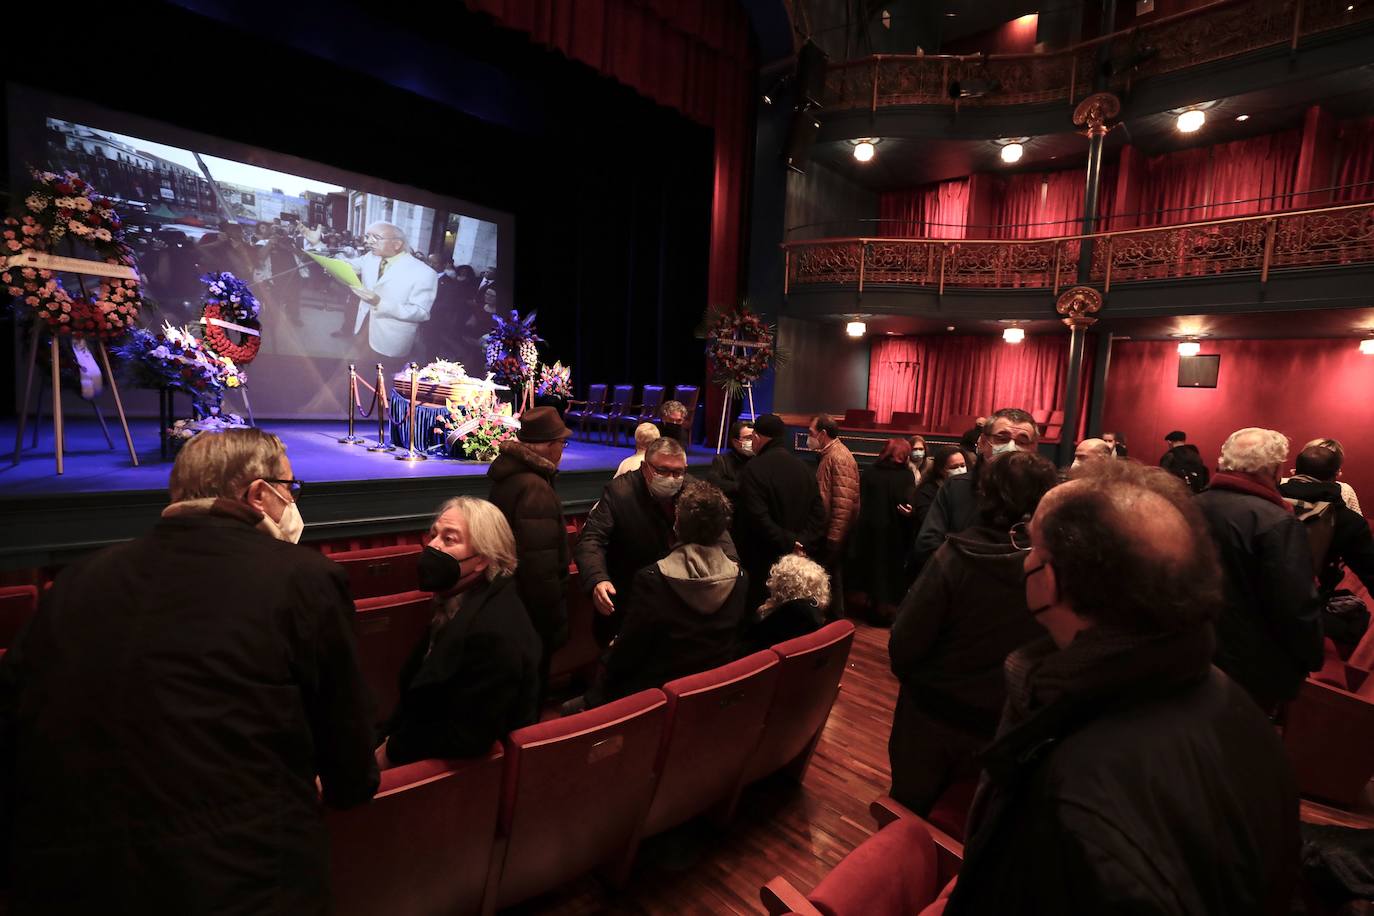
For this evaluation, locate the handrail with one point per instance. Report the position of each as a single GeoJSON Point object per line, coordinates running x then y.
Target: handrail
{"type": "Point", "coordinates": [1216, 31]}
{"type": "Point", "coordinates": [1280, 240]}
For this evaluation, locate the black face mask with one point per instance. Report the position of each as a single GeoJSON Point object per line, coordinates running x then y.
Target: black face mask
{"type": "Point", "coordinates": [1037, 611]}
{"type": "Point", "coordinates": [438, 571]}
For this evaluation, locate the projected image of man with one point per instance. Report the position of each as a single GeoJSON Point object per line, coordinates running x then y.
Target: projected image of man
{"type": "Point", "coordinates": [397, 295]}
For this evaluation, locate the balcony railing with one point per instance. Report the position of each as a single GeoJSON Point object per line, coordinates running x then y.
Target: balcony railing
{"type": "Point", "coordinates": [1293, 240]}
{"type": "Point", "coordinates": [1217, 31]}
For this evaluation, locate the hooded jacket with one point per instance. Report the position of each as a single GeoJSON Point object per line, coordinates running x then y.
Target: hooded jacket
{"type": "Point", "coordinates": [684, 615]}
{"type": "Point", "coordinates": [522, 488]}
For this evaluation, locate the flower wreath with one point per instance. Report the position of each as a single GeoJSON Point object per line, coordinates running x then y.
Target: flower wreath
{"type": "Point", "coordinates": [511, 348]}
{"type": "Point", "coordinates": [231, 306]}
{"type": "Point", "coordinates": [66, 206]}
{"type": "Point", "coordinates": [737, 366]}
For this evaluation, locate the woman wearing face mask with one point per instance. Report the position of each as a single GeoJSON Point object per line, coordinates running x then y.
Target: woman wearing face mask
{"type": "Point", "coordinates": [945, 462]}
{"type": "Point", "coordinates": [919, 460]}
{"type": "Point", "coordinates": [475, 675]}
{"type": "Point", "coordinates": [884, 530]}
{"type": "Point", "coordinates": [955, 627]}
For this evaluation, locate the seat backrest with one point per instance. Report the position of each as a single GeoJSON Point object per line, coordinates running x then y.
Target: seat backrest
{"type": "Point", "coordinates": [576, 791]}
{"type": "Point", "coordinates": [388, 629]}
{"type": "Point", "coordinates": [1041, 416]}
{"type": "Point", "coordinates": [423, 845]}
{"type": "Point", "coordinates": [892, 873]}
{"type": "Point", "coordinates": [687, 395]}
{"type": "Point", "coordinates": [17, 605]}
{"type": "Point", "coordinates": [1052, 433]}
{"type": "Point", "coordinates": [652, 400]}
{"type": "Point", "coordinates": [1329, 736]}
{"type": "Point", "coordinates": [580, 651]}
{"type": "Point", "coordinates": [809, 675]}
{"type": "Point", "coordinates": [379, 570]}
{"type": "Point", "coordinates": [1056, 418]}
{"type": "Point", "coordinates": [715, 719]}
{"type": "Point", "coordinates": [624, 394]}
{"type": "Point", "coordinates": [856, 417]}
{"type": "Point", "coordinates": [906, 419]}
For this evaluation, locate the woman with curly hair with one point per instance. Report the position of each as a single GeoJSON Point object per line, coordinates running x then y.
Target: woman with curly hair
{"type": "Point", "coordinates": [798, 594]}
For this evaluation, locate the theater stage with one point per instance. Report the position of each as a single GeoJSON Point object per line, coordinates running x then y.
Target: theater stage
{"type": "Point", "coordinates": [102, 499]}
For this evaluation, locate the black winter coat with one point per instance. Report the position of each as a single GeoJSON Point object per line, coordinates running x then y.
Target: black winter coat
{"type": "Point", "coordinates": [1269, 635]}
{"type": "Point", "coordinates": [786, 621]}
{"type": "Point", "coordinates": [779, 505]}
{"type": "Point", "coordinates": [1351, 542]}
{"type": "Point", "coordinates": [725, 470]}
{"type": "Point", "coordinates": [522, 487]}
{"type": "Point", "coordinates": [955, 508]}
{"type": "Point", "coordinates": [883, 535]}
{"type": "Point", "coordinates": [166, 713]}
{"type": "Point", "coordinates": [479, 682]}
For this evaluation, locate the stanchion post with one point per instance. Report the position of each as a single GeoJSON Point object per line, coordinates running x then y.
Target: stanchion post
{"type": "Point", "coordinates": [350, 405]}
{"type": "Point", "coordinates": [383, 437]}
{"type": "Point", "coordinates": [411, 454]}
{"type": "Point", "coordinates": [56, 400]}
{"type": "Point", "coordinates": [28, 391]}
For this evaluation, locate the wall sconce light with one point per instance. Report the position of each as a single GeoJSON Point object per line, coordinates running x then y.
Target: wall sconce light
{"type": "Point", "coordinates": [855, 329]}
{"type": "Point", "coordinates": [1367, 346]}
{"type": "Point", "coordinates": [1189, 348]}
{"type": "Point", "coordinates": [865, 149]}
{"type": "Point", "coordinates": [1014, 335]}
{"type": "Point", "coordinates": [1191, 121]}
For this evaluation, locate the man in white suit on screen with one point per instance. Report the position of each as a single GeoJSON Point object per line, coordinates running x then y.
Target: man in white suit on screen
{"type": "Point", "coordinates": [397, 293]}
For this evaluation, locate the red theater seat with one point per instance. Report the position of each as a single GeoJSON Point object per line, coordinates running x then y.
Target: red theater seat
{"type": "Point", "coordinates": [808, 680]}
{"type": "Point", "coordinates": [581, 650]}
{"type": "Point", "coordinates": [906, 419]}
{"type": "Point", "coordinates": [575, 794]}
{"type": "Point", "coordinates": [859, 418]}
{"type": "Point", "coordinates": [379, 570]}
{"type": "Point", "coordinates": [388, 629]}
{"type": "Point", "coordinates": [714, 722]}
{"type": "Point", "coordinates": [423, 845]}
{"type": "Point", "coordinates": [1329, 735]}
{"type": "Point", "coordinates": [17, 604]}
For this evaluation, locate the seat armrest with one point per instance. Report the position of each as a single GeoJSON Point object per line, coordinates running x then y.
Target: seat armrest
{"type": "Point", "coordinates": [779, 896]}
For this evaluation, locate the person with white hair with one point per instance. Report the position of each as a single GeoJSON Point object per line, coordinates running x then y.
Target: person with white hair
{"type": "Point", "coordinates": [475, 675]}
{"type": "Point", "coordinates": [645, 433]}
{"type": "Point", "coordinates": [1269, 635]}
{"type": "Point", "coordinates": [397, 294]}
{"type": "Point", "coordinates": [798, 594]}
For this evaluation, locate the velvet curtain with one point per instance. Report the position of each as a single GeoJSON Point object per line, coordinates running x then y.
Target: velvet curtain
{"type": "Point", "coordinates": [935, 211]}
{"type": "Point", "coordinates": [1214, 182]}
{"type": "Point", "coordinates": [690, 55]}
{"type": "Point", "coordinates": [1038, 205]}
{"type": "Point", "coordinates": [1357, 160]}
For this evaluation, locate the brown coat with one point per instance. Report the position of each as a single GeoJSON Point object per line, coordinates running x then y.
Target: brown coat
{"type": "Point", "coordinates": [838, 479]}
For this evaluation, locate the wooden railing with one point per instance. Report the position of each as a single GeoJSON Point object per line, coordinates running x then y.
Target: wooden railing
{"type": "Point", "coordinates": [1217, 31]}
{"type": "Point", "coordinates": [1291, 240]}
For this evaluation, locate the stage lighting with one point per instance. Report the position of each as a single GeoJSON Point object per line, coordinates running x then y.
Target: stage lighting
{"type": "Point", "coordinates": [1367, 347]}
{"type": "Point", "coordinates": [863, 151]}
{"type": "Point", "coordinates": [1012, 152]}
{"type": "Point", "coordinates": [855, 328]}
{"type": "Point", "coordinates": [972, 89]}
{"type": "Point", "coordinates": [1014, 335]}
{"type": "Point", "coordinates": [1191, 120]}
{"type": "Point", "coordinates": [1189, 348]}
{"type": "Point", "coordinates": [1242, 117]}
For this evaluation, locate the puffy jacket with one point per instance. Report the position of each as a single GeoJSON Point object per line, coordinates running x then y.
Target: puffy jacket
{"type": "Point", "coordinates": [522, 488]}
{"type": "Point", "coordinates": [838, 480]}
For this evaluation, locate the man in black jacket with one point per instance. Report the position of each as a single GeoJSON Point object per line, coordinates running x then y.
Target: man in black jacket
{"type": "Point", "coordinates": [522, 478]}
{"type": "Point", "coordinates": [630, 527]}
{"type": "Point", "coordinates": [956, 505]}
{"type": "Point", "coordinates": [1270, 632]}
{"type": "Point", "coordinates": [1316, 498]}
{"type": "Point", "coordinates": [1128, 775]}
{"type": "Point", "coordinates": [729, 464]}
{"type": "Point", "coordinates": [167, 711]}
{"type": "Point", "coordinates": [779, 507]}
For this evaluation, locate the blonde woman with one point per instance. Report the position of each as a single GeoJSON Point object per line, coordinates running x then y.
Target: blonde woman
{"type": "Point", "coordinates": [798, 594]}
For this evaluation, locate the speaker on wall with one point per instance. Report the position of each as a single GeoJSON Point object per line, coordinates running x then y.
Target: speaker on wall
{"type": "Point", "coordinates": [1198, 371]}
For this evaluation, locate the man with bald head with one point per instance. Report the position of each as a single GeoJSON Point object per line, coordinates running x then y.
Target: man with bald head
{"type": "Point", "coordinates": [397, 296]}
{"type": "Point", "coordinates": [1270, 632]}
{"type": "Point", "coordinates": [1128, 774]}
{"type": "Point", "coordinates": [1091, 450]}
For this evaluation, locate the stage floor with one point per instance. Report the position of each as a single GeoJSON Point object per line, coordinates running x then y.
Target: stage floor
{"type": "Point", "coordinates": [102, 498]}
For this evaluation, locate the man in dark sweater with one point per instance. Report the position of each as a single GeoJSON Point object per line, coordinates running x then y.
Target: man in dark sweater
{"type": "Point", "coordinates": [729, 464]}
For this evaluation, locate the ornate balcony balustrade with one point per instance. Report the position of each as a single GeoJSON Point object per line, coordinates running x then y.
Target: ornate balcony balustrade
{"type": "Point", "coordinates": [1291, 240]}
{"type": "Point", "coordinates": [1217, 31]}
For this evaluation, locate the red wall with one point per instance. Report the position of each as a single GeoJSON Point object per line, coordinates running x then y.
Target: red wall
{"type": "Point", "coordinates": [1302, 388]}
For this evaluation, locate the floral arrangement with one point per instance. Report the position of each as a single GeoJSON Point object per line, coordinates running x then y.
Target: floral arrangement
{"type": "Point", "coordinates": [512, 349]}
{"type": "Point", "coordinates": [67, 207]}
{"type": "Point", "coordinates": [442, 372]}
{"type": "Point", "coordinates": [555, 381]}
{"type": "Point", "coordinates": [177, 359]}
{"type": "Point", "coordinates": [480, 432]}
{"type": "Point", "coordinates": [740, 347]}
{"type": "Point", "coordinates": [185, 430]}
{"type": "Point", "coordinates": [229, 301]}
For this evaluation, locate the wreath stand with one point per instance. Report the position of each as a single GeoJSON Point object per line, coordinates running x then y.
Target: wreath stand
{"type": "Point", "coordinates": [230, 326]}
{"type": "Point", "coordinates": [81, 268]}
{"type": "Point", "coordinates": [729, 395]}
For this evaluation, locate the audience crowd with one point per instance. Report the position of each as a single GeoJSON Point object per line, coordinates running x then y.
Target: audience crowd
{"type": "Point", "coordinates": [1097, 653]}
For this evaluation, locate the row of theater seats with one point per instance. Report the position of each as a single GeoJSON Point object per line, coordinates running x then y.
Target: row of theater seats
{"type": "Point", "coordinates": [575, 795]}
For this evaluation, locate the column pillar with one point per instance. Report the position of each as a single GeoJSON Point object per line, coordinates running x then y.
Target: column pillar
{"type": "Point", "coordinates": [1077, 304]}
{"type": "Point", "coordinates": [1092, 114]}
{"type": "Point", "coordinates": [1097, 395]}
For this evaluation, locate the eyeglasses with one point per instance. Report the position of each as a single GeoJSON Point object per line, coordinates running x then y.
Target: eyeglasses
{"type": "Point", "coordinates": [374, 237]}
{"type": "Point", "coordinates": [294, 486]}
{"type": "Point", "coordinates": [1004, 437]}
{"type": "Point", "coordinates": [1021, 536]}
{"type": "Point", "coordinates": [667, 472]}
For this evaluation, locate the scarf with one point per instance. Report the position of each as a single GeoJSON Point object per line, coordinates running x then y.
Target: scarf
{"type": "Point", "coordinates": [1251, 484]}
{"type": "Point", "coordinates": [224, 508]}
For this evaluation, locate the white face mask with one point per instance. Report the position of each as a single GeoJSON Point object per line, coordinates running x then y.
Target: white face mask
{"type": "Point", "coordinates": [746, 447]}
{"type": "Point", "coordinates": [955, 472]}
{"type": "Point", "coordinates": [918, 455]}
{"type": "Point", "coordinates": [813, 443]}
{"type": "Point", "coordinates": [1002, 448]}
{"type": "Point", "coordinates": [665, 487]}
{"type": "Point", "coordinates": [291, 526]}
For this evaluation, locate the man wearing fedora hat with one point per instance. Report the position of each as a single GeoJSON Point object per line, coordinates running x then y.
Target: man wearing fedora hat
{"type": "Point", "coordinates": [522, 488]}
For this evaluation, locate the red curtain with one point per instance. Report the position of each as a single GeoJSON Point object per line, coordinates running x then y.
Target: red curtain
{"type": "Point", "coordinates": [933, 211]}
{"type": "Point", "coordinates": [1039, 205]}
{"type": "Point", "coordinates": [1357, 160]}
{"type": "Point", "coordinates": [1202, 183]}
{"type": "Point", "coordinates": [690, 55]}
{"type": "Point", "coordinates": [945, 377]}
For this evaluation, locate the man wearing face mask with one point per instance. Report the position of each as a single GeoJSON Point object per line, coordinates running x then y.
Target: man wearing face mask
{"type": "Point", "coordinates": [474, 676]}
{"type": "Point", "coordinates": [630, 527]}
{"type": "Point", "coordinates": [956, 505]}
{"type": "Point", "coordinates": [1128, 774]}
{"type": "Point", "coordinates": [729, 464]}
{"type": "Point", "coordinates": [169, 708]}
{"type": "Point", "coordinates": [837, 478]}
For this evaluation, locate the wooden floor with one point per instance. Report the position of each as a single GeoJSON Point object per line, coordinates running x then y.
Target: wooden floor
{"type": "Point", "coordinates": [799, 832]}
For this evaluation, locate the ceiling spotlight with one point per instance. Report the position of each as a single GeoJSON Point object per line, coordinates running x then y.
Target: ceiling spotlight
{"type": "Point", "coordinates": [855, 328]}
{"type": "Point", "coordinates": [1189, 348]}
{"type": "Point", "coordinates": [1014, 335]}
{"type": "Point", "coordinates": [1012, 152]}
{"type": "Point", "coordinates": [1191, 120]}
{"type": "Point", "coordinates": [1242, 117]}
{"type": "Point", "coordinates": [1367, 346]}
{"type": "Point", "coordinates": [1350, 8]}
{"type": "Point", "coordinates": [863, 151]}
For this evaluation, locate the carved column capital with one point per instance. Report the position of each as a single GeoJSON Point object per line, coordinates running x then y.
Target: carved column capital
{"type": "Point", "coordinates": [1078, 304]}
{"type": "Point", "coordinates": [1095, 111]}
